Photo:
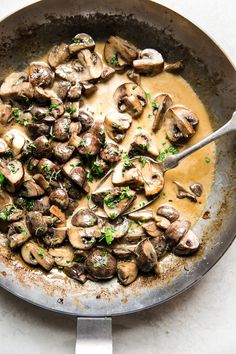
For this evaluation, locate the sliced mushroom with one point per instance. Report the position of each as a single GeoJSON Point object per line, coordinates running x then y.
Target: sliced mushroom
{"type": "Point", "coordinates": [162, 222]}
{"type": "Point", "coordinates": [81, 41]}
{"type": "Point", "coordinates": [144, 144]}
{"type": "Point", "coordinates": [40, 74]}
{"type": "Point", "coordinates": [9, 213]}
{"type": "Point", "coordinates": [33, 254]}
{"type": "Point", "coordinates": [5, 112]}
{"type": "Point", "coordinates": [63, 256]}
{"type": "Point", "coordinates": [160, 104]}
{"type": "Point", "coordinates": [119, 227]}
{"type": "Point", "coordinates": [41, 204]}
{"type": "Point", "coordinates": [41, 147]}
{"type": "Point", "coordinates": [98, 129]}
{"type": "Point", "coordinates": [88, 88]}
{"type": "Point", "coordinates": [99, 167]}
{"type": "Point", "coordinates": [188, 244]}
{"type": "Point", "coordinates": [152, 229]}
{"type": "Point", "coordinates": [86, 120]}
{"type": "Point", "coordinates": [58, 55]}
{"type": "Point", "coordinates": [17, 234]}
{"type": "Point", "coordinates": [16, 86]}
{"type": "Point", "coordinates": [196, 188]}
{"type": "Point", "coordinates": [62, 151]}
{"type": "Point", "coordinates": [3, 147]}
{"type": "Point", "coordinates": [150, 62]}
{"type": "Point", "coordinates": [133, 76]}
{"type": "Point", "coordinates": [184, 193]}
{"type": "Point", "coordinates": [160, 245]}
{"type": "Point", "coordinates": [118, 52]}
{"type": "Point", "coordinates": [13, 171]}
{"type": "Point", "coordinates": [36, 223]}
{"type": "Point", "coordinates": [177, 230]}
{"type": "Point", "coordinates": [55, 236]}
{"type": "Point", "coordinates": [15, 140]}
{"type": "Point", "coordinates": [123, 176]}
{"type": "Point", "coordinates": [62, 129]}
{"type": "Point", "coordinates": [127, 272]}
{"type": "Point", "coordinates": [146, 255]}
{"type": "Point", "coordinates": [118, 201]}
{"type": "Point", "coordinates": [101, 264]}
{"type": "Point", "coordinates": [60, 198]}
{"type": "Point", "coordinates": [75, 91]}
{"type": "Point", "coordinates": [38, 129]}
{"type": "Point", "coordinates": [80, 238]}
{"type": "Point", "coordinates": [135, 233]}
{"type": "Point", "coordinates": [49, 169]}
{"type": "Point", "coordinates": [142, 215]}
{"type": "Point", "coordinates": [61, 88]}
{"type": "Point", "coordinates": [110, 153]}
{"type": "Point", "coordinates": [130, 98]}
{"type": "Point", "coordinates": [117, 124]}
{"type": "Point", "coordinates": [76, 272]}
{"type": "Point", "coordinates": [169, 212]}
{"type": "Point", "coordinates": [123, 251]}
{"type": "Point", "coordinates": [54, 210]}
{"type": "Point", "coordinates": [107, 73]}
{"type": "Point", "coordinates": [89, 145]}
{"type": "Point", "coordinates": [42, 182]}
{"type": "Point", "coordinates": [84, 218]}
{"type": "Point", "coordinates": [153, 179]}
{"type": "Point", "coordinates": [180, 123]}
{"type": "Point", "coordinates": [174, 67]}
{"type": "Point", "coordinates": [30, 189]}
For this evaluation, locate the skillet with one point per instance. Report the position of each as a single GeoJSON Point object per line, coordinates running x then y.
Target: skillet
{"type": "Point", "coordinates": [29, 33]}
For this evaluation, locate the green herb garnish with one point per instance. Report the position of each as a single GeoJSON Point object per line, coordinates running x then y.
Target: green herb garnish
{"type": "Point", "coordinates": [70, 110]}
{"type": "Point", "coordinates": [112, 200]}
{"type": "Point", "coordinates": [53, 106]}
{"type": "Point", "coordinates": [100, 261]}
{"type": "Point", "coordinates": [96, 170]}
{"type": "Point", "coordinates": [41, 253]}
{"type": "Point", "coordinates": [143, 161]}
{"type": "Point", "coordinates": [89, 177]}
{"type": "Point", "coordinates": [16, 112]}
{"type": "Point", "coordinates": [114, 60]}
{"type": "Point", "coordinates": [2, 179]}
{"type": "Point", "coordinates": [207, 159]}
{"type": "Point", "coordinates": [107, 235]}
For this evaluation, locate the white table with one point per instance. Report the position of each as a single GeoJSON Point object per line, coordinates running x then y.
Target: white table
{"type": "Point", "coordinates": [201, 321]}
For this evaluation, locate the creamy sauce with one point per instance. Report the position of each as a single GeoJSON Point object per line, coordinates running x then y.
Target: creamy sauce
{"type": "Point", "coordinates": [192, 169]}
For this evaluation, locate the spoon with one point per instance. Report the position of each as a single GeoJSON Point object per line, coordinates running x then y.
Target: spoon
{"type": "Point", "coordinates": [169, 163]}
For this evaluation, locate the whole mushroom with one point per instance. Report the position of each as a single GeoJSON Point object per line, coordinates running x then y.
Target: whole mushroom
{"type": "Point", "coordinates": [101, 264]}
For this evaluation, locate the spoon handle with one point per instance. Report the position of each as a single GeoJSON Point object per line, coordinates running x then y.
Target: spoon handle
{"type": "Point", "coordinates": [173, 160]}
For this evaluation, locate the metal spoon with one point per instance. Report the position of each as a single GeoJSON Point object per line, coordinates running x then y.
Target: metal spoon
{"type": "Point", "coordinates": [172, 161]}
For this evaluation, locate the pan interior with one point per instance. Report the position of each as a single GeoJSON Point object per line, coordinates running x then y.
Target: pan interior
{"type": "Point", "coordinates": [30, 33]}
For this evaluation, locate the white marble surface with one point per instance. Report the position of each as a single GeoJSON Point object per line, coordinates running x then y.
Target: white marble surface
{"type": "Point", "coordinates": [201, 321]}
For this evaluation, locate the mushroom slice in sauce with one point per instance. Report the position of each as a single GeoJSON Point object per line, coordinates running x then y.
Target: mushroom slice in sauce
{"type": "Point", "coordinates": [123, 176]}
{"type": "Point", "coordinates": [196, 188]}
{"type": "Point", "coordinates": [40, 74]}
{"type": "Point", "coordinates": [101, 264]}
{"type": "Point", "coordinates": [55, 236]}
{"type": "Point", "coordinates": [3, 147]}
{"type": "Point", "coordinates": [130, 98]}
{"type": "Point", "coordinates": [110, 153]}
{"type": "Point", "coordinates": [16, 85]}
{"type": "Point", "coordinates": [174, 67]}
{"type": "Point", "coordinates": [127, 272]}
{"type": "Point", "coordinates": [160, 104]}
{"type": "Point", "coordinates": [13, 171]}
{"type": "Point", "coordinates": [169, 212]}
{"type": "Point", "coordinates": [62, 151]}
{"type": "Point", "coordinates": [117, 124]}
{"type": "Point", "coordinates": [81, 238]}
{"type": "Point", "coordinates": [91, 63]}
{"type": "Point", "coordinates": [150, 62]}
{"type": "Point", "coordinates": [86, 120]}
{"type": "Point", "coordinates": [135, 233]}
{"type": "Point", "coordinates": [177, 230]}
{"type": "Point", "coordinates": [84, 218]}
{"type": "Point", "coordinates": [63, 256]}
{"type": "Point", "coordinates": [107, 73]}
{"type": "Point", "coordinates": [58, 55]}
{"type": "Point", "coordinates": [184, 193]}
{"type": "Point", "coordinates": [5, 113]}
{"type": "Point", "coordinates": [33, 254]}
{"type": "Point", "coordinates": [188, 244]}
{"type": "Point", "coordinates": [30, 189]}
{"type": "Point", "coordinates": [180, 123]}
{"type": "Point", "coordinates": [151, 229]}
{"type": "Point", "coordinates": [146, 255]}
{"type": "Point", "coordinates": [15, 140]}
{"type": "Point", "coordinates": [118, 228]}
{"type": "Point", "coordinates": [142, 215]}
{"type": "Point", "coordinates": [153, 179]}
{"type": "Point", "coordinates": [89, 144]}
{"type": "Point", "coordinates": [118, 201]}
{"type": "Point", "coordinates": [162, 222]}
{"type": "Point", "coordinates": [144, 144]}
{"type": "Point", "coordinates": [118, 52]}
{"type": "Point", "coordinates": [76, 272]}
{"type": "Point", "coordinates": [59, 197]}
{"type": "Point", "coordinates": [81, 41]}
{"type": "Point", "coordinates": [18, 234]}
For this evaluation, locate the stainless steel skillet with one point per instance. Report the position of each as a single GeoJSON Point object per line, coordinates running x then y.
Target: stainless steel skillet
{"type": "Point", "coordinates": [31, 32]}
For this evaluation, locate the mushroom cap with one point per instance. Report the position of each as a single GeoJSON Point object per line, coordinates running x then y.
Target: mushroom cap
{"type": "Point", "coordinates": [33, 254]}
{"type": "Point", "coordinates": [150, 62]}
{"type": "Point", "coordinates": [146, 255]}
{"type": "Point", "coordinates": [13, 171]}
{"type": "Point", "coordinates": [169, 212]}
{"type": "Point", "coordinates": [63, 255]}
{"type": "Point", "coordinates": [58, 54]}
{"type": "Point", "coordinates": [84, 218]}
{"type": "Point", "coordinates": [81, 41]}
{"type": "Point", "coordinates": [177, 230]}
{"type": "Point", "coordinates": [130, 98]}
{"type": "Point", "coordinates": [101, 264]}
{"type": "Point", "coordinates": [82, 238]}
{"type": "Point", "coordinates": [40, 74]}
{"type": "Point", "coordinates": [188, 244]}
{"type": "Point", "coordinates": [161, 103]}
{"type": "Point", "coordinates": [110, 153]}
{"type": "Point", "coordinates": [127, 272]}
{"type": "Point", "coordinates": [116, 125]}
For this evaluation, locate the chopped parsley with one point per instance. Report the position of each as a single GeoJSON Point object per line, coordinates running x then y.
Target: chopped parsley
{"type": "Point", "coordinates": [114, 60]}
{"type": "Point", "coordinates": [170, 150]}
{"type": "Point", "coordinates": [112, 200]}
{"type": "Point", "coordinates": [8, 154]}
{"type": "Point", "coordinates": [148, 95]}
{"type": "Point", "coordinates": [2, 179]}
{"type": "Point", "coordinates": [71, 110]}
{"type": "Point", "coordinates": [23, 122]}
{"type": "Point", "coordinates": [76, 41]}
{"type": "Point", "coordinates": [16, 112]}
{"type": "Point", "coordinates": [13, 168]}
{"type": "Point", "coordinates": [107, 235]}
{"type": "Point", "coordinates": [52, 135]}
{"type": "Point", "coordinates": [207, 159]}
{"type": "Point", "coordinates": [96, 170]}
{"type": "Point", "coordinates": [24, 231]}
{"type": "Point", "coordinates": [89, 177]}
{"type": "Point", "coordinates": [143, 161]}
{"type": "Point", "coordinates": [53, 106]}
{"type": "Point", "coordinates": [41, 253]}
{"type": "Point", "coordinates": [32, 146]}
{"type": "Point", "coordinates": [127, 162]}
{"type": "Point", "coordinates": [155, 105]}
{"type": "Point", "coordinates": [100, 261]}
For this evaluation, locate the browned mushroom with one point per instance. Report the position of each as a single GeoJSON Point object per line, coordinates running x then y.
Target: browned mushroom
{"type": "Point", "coordinates": [61, 88]}
{"type": "Point", "coordinates": [101, 264]}
{"type": "Point", "coordinates": [133, 76]}
{"type": "Point", "coordinates": [60, 198]}
{"type": "Point", "coordinates": [42, 182]}
{"type": "Point", "coordinates": [152, 229]}
{"type": "Point", "coordinates": [127, 272]}
{"type": "Point", "coordinates": [81, 238]}
{"type": "Point", "coordinates": [160, 104]}
{"type": "Point", "coordinates": [13, 172]}
{"type": "Point", "coordinates": [9, 213]}
{"type": "Point", "coordinates": [58, 55]}
{"type": "Point", "coordinates": [110, 153]}
{"type": "Point", "coordinates": [118, 201]}
{"type": "Point", "coordinates": [36, 223]}
{"type": "Point", "coordinates": [5, 112]}
{"type": "Point", "coordinates": [62, 151]}
{"type": "Point", "coordinates": [76, 272]}
{"type": "Point", "coordinates": [30, 189]}
{"type": "Point", "coordinates": [184, 193]}
{"type": "Point", "coordinates": [135, 233]}
{"type": "Point", "coordinates": [89, 145]}
{"type": "Point", "coordinates": [81, 41]}
{"type": "Point", "coordinates": [61, 129]}
{"type": "Point", "coordinates": [146, 255]}
{"type": "Point", "coordinates": [160, 245]}
{"type": "Point", "coordinates": [18, 234]}
{"type": "Point", "coordinates": [150, 62]}
{"type": "Point", "coordinates": [40, 74]}
{"type": "Point", "coordinates": [41, 147]}
{"type": "Point", "coordinates": [16, 86]}
{"type": "Point", "coordinates": [117, 124]}
{"type": "Point", "coordinates": [169, 212]}
{"type": "Point", "coordinates": [188, 244]}
{"type": "Point", "coordinates": [55, 236]}
{"type": "Point", "coordinates": [127, 176]}
{"type": "Point", "coordinates": [174, 67]}
{"type": "Point", "coordinates": [180, 123]}
{"type": "Point", "coordinates": [117, 228]}
{"type": "Point", "coordinates": [162, 222]}
{"type": "Point", "coordinates": [153, 179]}
{"type": "Point", "coordinates": [118, 52]}
{"type": "Point", "coordinates": [196, 188]}
{"type": "Point", "coordinates": [3, 147]}
{"type": "Point", "coordinates": [177, 230]}
{"type": "Point", "coordinates": [142, 215]}
{"type": "Point", "coordinates": [144, 144]}
{"type": "Point", "coordinates": [130, 98]}
{"type": "Point", "coordinates": [33, 254]}
{"type": "Point", "coordinates": [15, 141]}
{"type": "Point", "coordinates": [107, 73]}
{"type": "Point", "coordinates": [63, 256]}
{"type": "Point", "coordinates": [84, 218]}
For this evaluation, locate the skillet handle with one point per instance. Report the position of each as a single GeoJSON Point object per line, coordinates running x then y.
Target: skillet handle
{"type": "Point", "coordinates": [94, 335]}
